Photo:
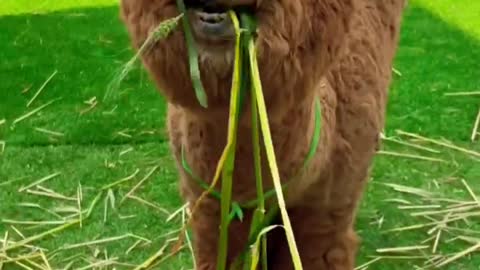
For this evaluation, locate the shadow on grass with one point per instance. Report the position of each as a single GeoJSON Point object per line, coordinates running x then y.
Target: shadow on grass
{"type": "Point", "coordinates": [87, 46]}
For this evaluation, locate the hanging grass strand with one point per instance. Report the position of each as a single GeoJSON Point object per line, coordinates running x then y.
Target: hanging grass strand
{"type": "Point", "coordinates": [249, 25]}
{"type": "Point", "coordinates": [257, 87]}
{"type": "Point", "coordinates": [245, 69]}
{"type": "Point", "coordinates": [227, 174]}
{"type": "Point", "coordinates": [256, 246]}
{"type": "Point", "coordinates": [193, 58]}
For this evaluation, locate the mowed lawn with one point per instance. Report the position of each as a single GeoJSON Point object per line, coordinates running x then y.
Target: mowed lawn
{"type": "Point", "coordinates": [75, 144]}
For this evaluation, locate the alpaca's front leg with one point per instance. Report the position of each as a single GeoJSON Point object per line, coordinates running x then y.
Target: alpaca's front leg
{"type": "Point", "coordinates": [206, 232]}
{"type": "Point", "coordinates": [324, 242]}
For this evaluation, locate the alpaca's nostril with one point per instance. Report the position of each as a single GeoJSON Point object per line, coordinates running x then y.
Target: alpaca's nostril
{"type": "Point", "coordinates": [209, 6]}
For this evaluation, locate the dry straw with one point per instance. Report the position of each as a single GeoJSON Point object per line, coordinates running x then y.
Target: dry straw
{"type": "Point", "coordinates": [41, 88]}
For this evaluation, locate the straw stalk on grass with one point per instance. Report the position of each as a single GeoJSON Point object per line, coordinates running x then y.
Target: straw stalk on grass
{"type": "Point", "coordinates": [33, 112]}
{"type": "Point", "coordinates": [40, 181]}
{"type": "Point", "coordinates": [440, 143]}
{"type": "Point", "coordinates": [41, 88]}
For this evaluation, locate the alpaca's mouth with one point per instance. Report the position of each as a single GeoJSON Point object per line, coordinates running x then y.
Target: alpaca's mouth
{"type": "Point", "coordinates": [211, 23]}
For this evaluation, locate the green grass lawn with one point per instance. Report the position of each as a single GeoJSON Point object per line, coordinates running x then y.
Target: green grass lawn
{"type": "Point", "coordinates": [86, 147]}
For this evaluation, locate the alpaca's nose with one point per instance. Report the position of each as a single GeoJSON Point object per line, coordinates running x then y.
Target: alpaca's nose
{"type": "Point", "coordinates": [233, 3]}
{"type": "Point", "coordinates": [223, 3]}
{"type": "Point", "coordinates": [201, 3]}
{"type": "Point", "coordinates": [229, 3]}
{"type": "Point", "coordinates": [208, 2]}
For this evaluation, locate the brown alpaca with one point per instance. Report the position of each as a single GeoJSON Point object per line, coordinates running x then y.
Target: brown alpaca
{"type": "Point", "coordinates": [339, 51]}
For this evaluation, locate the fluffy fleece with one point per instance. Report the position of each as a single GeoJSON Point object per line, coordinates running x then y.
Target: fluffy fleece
{"type": "Point", "coordinates": [340, 51]}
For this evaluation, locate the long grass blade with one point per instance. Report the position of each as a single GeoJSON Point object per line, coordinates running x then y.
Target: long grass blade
{"type": "Point", "coordinates": [256, 247]}
{"type": "Point", "coordinates": [193, 58]}
{"type": "Point", "coordinates": [271, 156]}
{"type": "Point", "coordinates": [229, 164]}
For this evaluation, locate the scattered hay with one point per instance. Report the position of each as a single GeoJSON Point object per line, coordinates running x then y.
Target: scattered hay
{"type": "Point", "coordinates": [33, 112]}
{"type": "Point", "coordinates": [121, 181]}
{"type": "Point", "coordinates": [106, 240]}
{"type": "Point", "coordinates": [409, 144]}
{"type": "Point", "coordinates": [41, 88]}
{"type": "Point", "coordinates": [40, 181]}
{"type": "Point", "coordinates": [26, 89]}
{"type": "Point", "coordinates": [28, 240]}
{"type": "Point", "coordinates": [462, 94]}
{"type": "Point", "coordinates": [45, 192]}
{"type": "Point", "coordinates": [476, 125]}
{"type": "Point", "coordinates": [404, 155]}
{"type": "Point", "coordinates": [150, 204]}
{"type": "Point", "coordinates": [147, 176]}
{"type": "Point", "coordinates": [443, 219]}
{"type": "Point", "coordinates": [123, 133]}
{"type": "Point", "coordinates": [128, 150]}
{"type": "Point", "coordinates": [25, 254]}
{"type": "Point", "coordinates": [2, 146]}
{"type": "Point", "coordinates": [441, 143]}
{"type": "Point", "coordinates": [49, 132]}
{"type": "Point", "coordinates": [155, 257]}
{"type": "Point", "coordinates": [396, 71]}
{"type": "Point", "coordinates": [401, 249]}
{"type": "Point", "coordinates": [21, 250]}
{"type": "Point", "coordinates": [92, 103]}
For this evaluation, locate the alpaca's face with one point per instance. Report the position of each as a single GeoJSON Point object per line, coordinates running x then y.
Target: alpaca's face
{"type": "Point", "coordinates": [296, 40]}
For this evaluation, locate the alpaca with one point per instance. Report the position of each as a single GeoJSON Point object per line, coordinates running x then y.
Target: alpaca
{"type": "Point", "coordinates": [339, 52]}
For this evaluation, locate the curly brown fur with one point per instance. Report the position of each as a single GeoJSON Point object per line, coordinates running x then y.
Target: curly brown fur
{"type": "Point", "coordinates": [338, 50]}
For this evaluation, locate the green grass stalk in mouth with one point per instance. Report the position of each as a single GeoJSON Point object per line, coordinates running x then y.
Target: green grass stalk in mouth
{"type": "Point", "coordinates": [262, 111]}
{"type": "Point", "coordinates": [227, 173]}
{"type": "Point", "coordinates": [192, 57]}
{"type": "Point", "coordinates": [258, 110]}
{"type": "Point", "coordinates": [259, 214]}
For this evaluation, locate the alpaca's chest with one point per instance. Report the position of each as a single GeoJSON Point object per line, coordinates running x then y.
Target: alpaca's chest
{"type": "Point", "coordinates": [292, 134]}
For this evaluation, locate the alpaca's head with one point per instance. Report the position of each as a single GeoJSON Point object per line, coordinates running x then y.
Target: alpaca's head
{"type": "Point", "coordinates": [297, 41]}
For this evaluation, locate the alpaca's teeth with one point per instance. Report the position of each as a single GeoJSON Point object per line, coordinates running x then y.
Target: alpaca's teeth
{"type": "Point", "coordinates": [212, 17]}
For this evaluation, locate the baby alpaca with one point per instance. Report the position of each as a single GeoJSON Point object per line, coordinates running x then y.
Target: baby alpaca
{"type": "Point", "coordinates": [337, 51]}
